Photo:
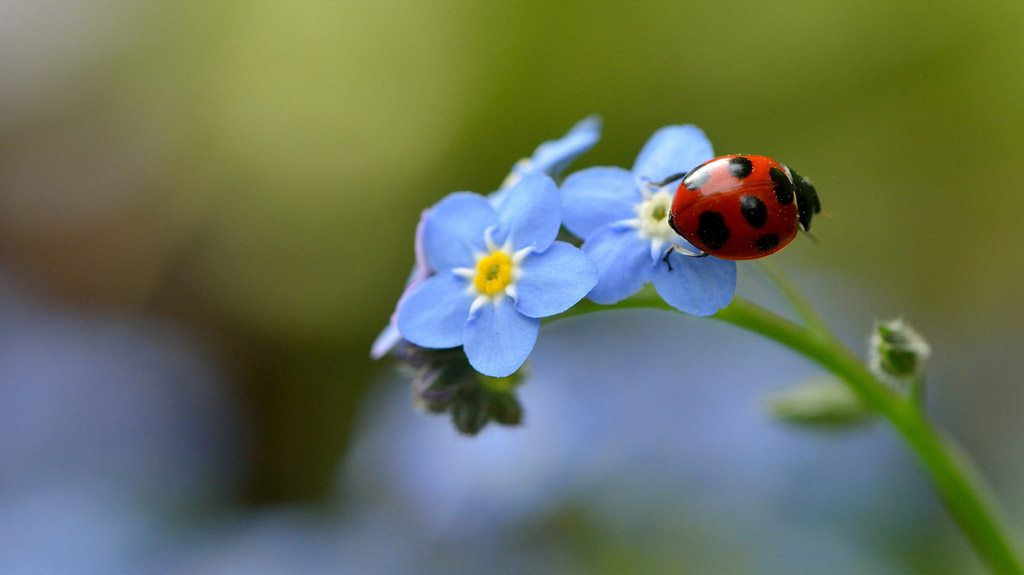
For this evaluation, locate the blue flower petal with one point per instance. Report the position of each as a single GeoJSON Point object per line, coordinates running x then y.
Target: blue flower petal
{"type": "Point", "coordinates": [596, 197]}
{"type": "Point", "coordinates": [697, 286]}
{"type": "Point", "coordinates": [385, 342]}
{"type": "Point", "coordinates": [422, 269]}
{"type": "Point", "coordinates": [497, 198]}
{"type": "Point", "coordinates": [672, 150]}
{"type": "Point", "coordinates": [498, 339]}
{"type": "Point", "coordinates": [623, 261]}
{"type": "Point", "coordinates": [531, 213]}
{"type": "Point", "coordinates": [454, 230]}
{"type": "Point", "coordinates": [434, 313]}
{"type": "Point", "coordinates": [554, 281]}
{"type": "Point", "coordinates": [389, 336]}
{"type": "Point", "coordinates": [554, 156]}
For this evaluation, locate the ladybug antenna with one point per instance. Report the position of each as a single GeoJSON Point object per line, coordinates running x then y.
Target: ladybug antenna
{"type": "Point", "coordinates": [668, 180]}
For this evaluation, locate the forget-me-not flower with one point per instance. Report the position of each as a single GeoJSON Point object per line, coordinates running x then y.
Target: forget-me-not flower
{"type": "Point", "coordinates": [623, 219]}
{"type": "Point", "coordinates": [551, 158]}
{"type": "Point", "coordinates": [497, 272]}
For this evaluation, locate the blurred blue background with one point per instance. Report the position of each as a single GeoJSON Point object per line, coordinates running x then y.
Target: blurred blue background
{"type": "Point", "coordinates": [206, 216]}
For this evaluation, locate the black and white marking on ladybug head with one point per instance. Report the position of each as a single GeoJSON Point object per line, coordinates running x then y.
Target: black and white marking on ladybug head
{"type": "Point", "coordinates": [807, 202]}
{"type": "Point", "coordinates": [696, 178]}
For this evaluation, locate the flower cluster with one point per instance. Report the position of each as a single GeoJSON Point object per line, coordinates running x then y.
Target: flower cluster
{"type": "Point", "coordinates": [489, 268]}
{"type": "Point", "coordinates": [549, 158]}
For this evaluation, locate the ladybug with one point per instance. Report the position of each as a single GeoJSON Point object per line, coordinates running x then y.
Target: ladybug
{"type": "Point", "coordinates": [741, 207]}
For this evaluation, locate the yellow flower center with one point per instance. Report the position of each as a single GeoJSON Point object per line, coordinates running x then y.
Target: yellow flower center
{"type": "Point", "coordinates": [493, 273]}
{"type": "Point", "coordinates": [497, 270]}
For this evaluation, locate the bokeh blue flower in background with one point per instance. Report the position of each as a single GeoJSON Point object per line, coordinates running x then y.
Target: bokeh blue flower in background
{"type": "Point", "coordinates": [111, 429]}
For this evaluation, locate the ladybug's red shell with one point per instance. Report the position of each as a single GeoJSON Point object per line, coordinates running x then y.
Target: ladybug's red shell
{"type": "Point", "coordinates": [742, 207]}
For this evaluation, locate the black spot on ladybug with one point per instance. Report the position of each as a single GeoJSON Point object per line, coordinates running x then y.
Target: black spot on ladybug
{"type": "Point", "coordinates": [767, 242]}
{"type": "Point", "coordinates": [711, 230]}
{"type": "Point", "coordinates": [783, 186]}
{"type": "Point", "coordinates": [740, 167]}
{"type": "Point", "coordinates": [754, 211]}
{"type": "Point", "coordinates": [696, 178]}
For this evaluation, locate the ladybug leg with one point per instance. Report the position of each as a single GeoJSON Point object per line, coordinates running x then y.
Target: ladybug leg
{"type": "Point", "coordinates": [809, 234]}
{"type": "Point", "coordinates": [683, 251]}
{"type": "Point", "coordinates": [667, 180]}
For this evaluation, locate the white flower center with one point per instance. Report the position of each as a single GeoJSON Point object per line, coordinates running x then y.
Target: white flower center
{"type": "Point", "coordinates": [652, 216]}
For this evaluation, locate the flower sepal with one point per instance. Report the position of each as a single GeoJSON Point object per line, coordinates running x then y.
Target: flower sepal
{"type": "Point", "coordinates": [443, 382]}
{"type": "Point", "coordinates": [484, 400]}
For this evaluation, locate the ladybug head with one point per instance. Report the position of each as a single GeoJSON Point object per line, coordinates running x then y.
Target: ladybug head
{"type": "Point", "coordinates": [807, 202]}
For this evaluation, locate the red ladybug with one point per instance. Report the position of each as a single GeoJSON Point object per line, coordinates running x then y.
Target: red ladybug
{"type": "Point", "coordinates": [741, 207]}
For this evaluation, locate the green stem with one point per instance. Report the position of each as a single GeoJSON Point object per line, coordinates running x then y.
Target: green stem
{"type": "Point", "coordinates": [960, 486]}
{"type": "Point", "coordinates": [801, 304]}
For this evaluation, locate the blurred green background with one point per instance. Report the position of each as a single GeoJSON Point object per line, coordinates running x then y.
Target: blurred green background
{"type": "Point", "coordinates": [254, 170]}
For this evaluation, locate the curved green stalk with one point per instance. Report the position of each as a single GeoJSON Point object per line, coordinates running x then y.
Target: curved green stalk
{"type": "Point", "coordinates": [961, 488]}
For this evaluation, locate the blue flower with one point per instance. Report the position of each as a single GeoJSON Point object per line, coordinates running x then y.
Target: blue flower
{"type": "Point", "coordinates": [497, 272]}
{"type": "Point", "coordinates": [551, 158]}
{"type": "Point", "coordinates": [554, 156]}
{"type": "Point", "coordinates": [624, 222]}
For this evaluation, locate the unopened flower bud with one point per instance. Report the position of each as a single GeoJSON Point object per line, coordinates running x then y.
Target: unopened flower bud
{"type": "Point", "coordinates": [444, 382]}
{"type": "Point", "coordinates": [897, 351]}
